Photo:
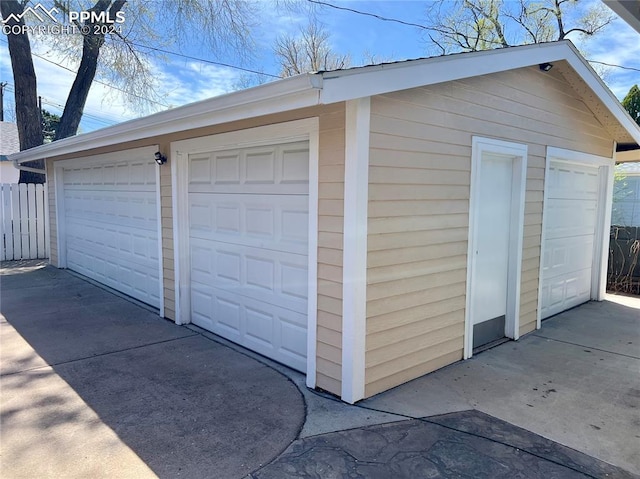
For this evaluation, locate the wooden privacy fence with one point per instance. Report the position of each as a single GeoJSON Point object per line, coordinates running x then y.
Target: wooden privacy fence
{"type": "Point", "coordinates": [24, 221]}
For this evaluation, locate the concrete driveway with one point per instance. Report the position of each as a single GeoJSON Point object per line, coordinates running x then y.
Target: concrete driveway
{"type": "Point", "coordinates": [96, 386]}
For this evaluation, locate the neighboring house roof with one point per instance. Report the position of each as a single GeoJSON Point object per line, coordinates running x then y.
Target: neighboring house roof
{"type": "Point", "coordinates": [9, 140]}
{"type": "Point", "coordinates": [328, 87]}
{"type": "Point", "coordinates": [628, 10]}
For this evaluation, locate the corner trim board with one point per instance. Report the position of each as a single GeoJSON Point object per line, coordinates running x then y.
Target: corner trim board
{"type": "Point", "coordinates": [354, 292]}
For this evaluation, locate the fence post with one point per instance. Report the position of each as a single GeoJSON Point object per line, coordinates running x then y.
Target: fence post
{"type": "Point", "coordinates": [15, 215]}
{"type": "Point", "coordinates": [6, 248]}
{"type": "Point", "coordinates": [40, 221]}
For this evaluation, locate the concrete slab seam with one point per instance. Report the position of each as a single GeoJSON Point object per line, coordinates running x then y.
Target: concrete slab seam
{"type": "Point", "coordinates": [97, 355]}
{"type": "Point", "coordinates": [585, 346]}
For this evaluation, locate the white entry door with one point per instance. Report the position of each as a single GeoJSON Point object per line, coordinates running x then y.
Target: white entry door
{"type": "Point", "coordinates": [248, 247]}
{"type": "Point", "coordinates": [571, 214]}
{"type": "Point", "coordinates": [108, 218]}
{"type": "Point", "coordinates": [493, 237]}
{"type": "Point", "coordinates": [496, 222]}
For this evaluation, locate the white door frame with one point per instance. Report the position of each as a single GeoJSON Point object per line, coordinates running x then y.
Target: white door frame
{"type": "Point", "coordinates": [605, 199]}
{"type": "Point", "coordinates": [306, 129]}
{"type": "Point", "coordinates": [145, 152]}
{"type": "Point", "coordinates": [517, 153]}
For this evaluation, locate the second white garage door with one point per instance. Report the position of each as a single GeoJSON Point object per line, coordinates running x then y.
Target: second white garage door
{"type": "Point", "coordinates": [571, 214]}
{"type": "Point", "coordinates": [248, 244]}
{"type": "Point", "coordinates": [109, 221]}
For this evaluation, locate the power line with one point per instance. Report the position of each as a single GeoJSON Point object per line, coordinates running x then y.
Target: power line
{"type": "Point", "coordinates": [617, 66]}
{"type": "Point", "coordinates": [102, 119]}
{"type": "Point", "coordinates": [369, 14]}
{"type": "Point", "coordinates": [423, 27]}
{"type": "Point", "coordinates": [95, 80]}
{"type": "Point", "coordinates": [248, 70]}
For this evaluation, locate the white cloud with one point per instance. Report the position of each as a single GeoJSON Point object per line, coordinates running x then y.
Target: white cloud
{"type": "Point", "coordinates": [178, 83]}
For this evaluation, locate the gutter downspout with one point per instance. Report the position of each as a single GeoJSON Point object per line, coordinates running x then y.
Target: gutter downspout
{"type": "Point", "coordinates": [28, 168]}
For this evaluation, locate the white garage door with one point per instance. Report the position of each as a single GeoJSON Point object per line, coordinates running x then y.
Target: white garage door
{"type": "Point", "coordinates": [248, 244]}
{"type": "Point", "coordinates": [571, 213]}
{"type": "Point", "coordinates": [110, 223]}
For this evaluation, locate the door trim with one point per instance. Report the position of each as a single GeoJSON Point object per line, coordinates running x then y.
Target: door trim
{"type": "Point", "coordinates": [306, 129]}
{"type": "Point", "coordinates": [605, 199]}
{"type": "Point", "coordinates": [517, 153]}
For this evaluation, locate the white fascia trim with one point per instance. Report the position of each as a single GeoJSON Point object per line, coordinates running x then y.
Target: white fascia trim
{"type": "Point", "coordinates": [344, 85]}
{"type": "Point", "coordinates": [354, 285]}
{"type": "Point", "coordinates": [380, 79]}
{"type": "Point", "coordinates": [595, 83]}
{"type": "Point", "coordinates": [282, 95]}
{"type": "Point", "coordinates": [623, 10]}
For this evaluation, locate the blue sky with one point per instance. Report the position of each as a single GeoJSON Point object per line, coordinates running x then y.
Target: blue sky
{"type": "Point", "coordinates": [182, 81]}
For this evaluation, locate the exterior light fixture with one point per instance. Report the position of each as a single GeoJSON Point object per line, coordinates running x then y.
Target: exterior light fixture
{"type": "Point", "coordinates": [160, 158]}
{"type": "Point", "coordinates": [545, 67]}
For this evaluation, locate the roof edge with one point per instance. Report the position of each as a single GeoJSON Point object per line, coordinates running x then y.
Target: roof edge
{"type": "Point", "coordinates": [283, 95]}
{"type": "Point", "coordinates": [342, 85]}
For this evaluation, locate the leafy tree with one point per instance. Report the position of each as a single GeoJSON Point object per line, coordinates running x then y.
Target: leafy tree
{"type": "Point", "coordinates": [472, 25]}
{"type": "Point", "coordinates": [119, 53]}
{"type": "Point", "coordinates": [50, 122]}
{"type": "Point", "coordinates": [310, 51]}
{"type": "Point", "coordinates": [631, 103]}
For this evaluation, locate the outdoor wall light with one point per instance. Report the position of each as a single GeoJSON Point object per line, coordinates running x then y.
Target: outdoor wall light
{"type": "Point", "coordinates": [160, 158]}
{"type": "Point", "coordinates": [545, 67]}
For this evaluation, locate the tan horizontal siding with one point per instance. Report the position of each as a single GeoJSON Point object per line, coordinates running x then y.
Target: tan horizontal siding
{"type": "Point", "coordinates": [416, 368]}
{"type": "Point", "coordinates": [330, 244]}
{"type": "Point", "coordinates": [417, 238]}
{"type": "Point", "coordinates": [327, 383]}
{"type": "Point", "coordinates": [420, 164]}
{"type": "Point", "coordinates": [395, 272]}
{"type": "Point", "coordinates": [53, 227]}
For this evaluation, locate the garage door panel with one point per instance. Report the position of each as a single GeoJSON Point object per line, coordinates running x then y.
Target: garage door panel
{"type": "Point", "coordinates": [248, 233]}
{"type": "Point", "coordinates": [133, 209]}
{"type": "Point", "coordinates": [141, 249]}
{"type": "Point", "coordinates": [563, 293]}
{"type": "Point", "coordinates": [134, 175]}
{"type": "Point", "coordinates": [570, 217]}
{"type": "Point", "coordinates": [571, 181]}
{"type": "Point", "coordinates": [265, 328]}
{"type": "Point", "coordinates": [562, 257]}
{"type": "Point", "coordinates": [269, 276]}
{"type": "Point", "coordinates": [272, 169]}
{"type": "Point", "coordinates": [275, 222]}
{"type": "Point", "coordinates": [111, 225]}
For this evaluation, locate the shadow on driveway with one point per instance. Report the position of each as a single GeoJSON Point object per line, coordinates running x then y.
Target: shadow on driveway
{"type": "Point", "coordinates": [96, 386]}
